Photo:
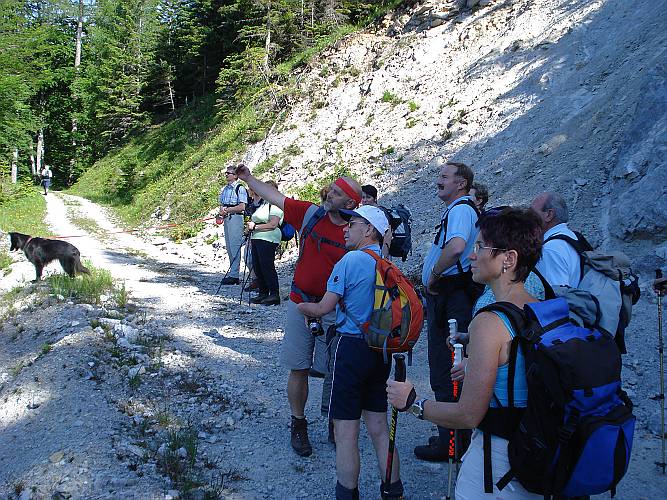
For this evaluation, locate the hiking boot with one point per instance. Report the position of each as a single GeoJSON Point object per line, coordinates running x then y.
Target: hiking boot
{"type": "Point", "coordinates": [273, 299]}
{"type": "Point", "coordinates": [300, 441]}
{"type": "Point", "coordinates": [259, 298]}
{"type": "Point", "coordinates": [252, 286]}
{"type": "Point", "coordinates": [433, 451]}
{"type": "Point", "coordinates": [230, 281]}
{"type": "Point", "coordinates": [394, 491]}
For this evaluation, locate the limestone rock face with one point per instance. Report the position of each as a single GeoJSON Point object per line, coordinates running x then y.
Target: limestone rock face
{"type": "Point", "coordinates": [534, 95]}
{"type": "Point", "coordinates": [640, 176]}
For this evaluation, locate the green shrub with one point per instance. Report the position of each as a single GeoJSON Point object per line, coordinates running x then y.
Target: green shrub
{"type": "Point", "coordinates": [388, 97]}
{"type": "Point", "coordinates": [413, 106]}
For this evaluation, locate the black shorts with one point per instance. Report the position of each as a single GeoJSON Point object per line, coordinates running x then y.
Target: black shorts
{"type": "Point", "coordinates": [359, 380]}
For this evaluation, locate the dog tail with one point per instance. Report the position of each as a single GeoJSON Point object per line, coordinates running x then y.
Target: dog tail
{"type": "Point", "coordinates": [80, 268]}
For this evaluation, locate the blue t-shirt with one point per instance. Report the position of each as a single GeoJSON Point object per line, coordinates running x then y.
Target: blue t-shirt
{"type": "Point", "coordinates": [353, 279]}
{"type": "Point", "coordinates": [460, 224]}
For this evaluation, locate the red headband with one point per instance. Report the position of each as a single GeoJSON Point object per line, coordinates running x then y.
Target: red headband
{"type": "Point", "coordinates": [348, 190]}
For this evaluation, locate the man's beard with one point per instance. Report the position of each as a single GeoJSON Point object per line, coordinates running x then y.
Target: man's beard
{"type": "Point", "coordinates": [328, 207]}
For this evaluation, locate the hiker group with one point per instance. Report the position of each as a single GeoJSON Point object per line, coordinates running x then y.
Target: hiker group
{"type": "Point", "coordinates": [533, 409]}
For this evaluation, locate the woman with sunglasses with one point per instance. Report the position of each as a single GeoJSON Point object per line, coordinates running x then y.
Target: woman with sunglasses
{"type": "Point", "coordinates": [508, 246]}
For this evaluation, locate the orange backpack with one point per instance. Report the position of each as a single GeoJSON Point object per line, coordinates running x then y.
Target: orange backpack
{"type": "Point", "coordinates": [398, 313]}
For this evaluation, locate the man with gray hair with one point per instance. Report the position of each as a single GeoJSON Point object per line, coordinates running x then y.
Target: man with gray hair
{"type": "Point", "coordinates": [560, 263]}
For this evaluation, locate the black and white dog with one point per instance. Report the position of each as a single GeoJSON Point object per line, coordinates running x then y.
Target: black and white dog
{"type": "Point", "coordinates": [41, 251]}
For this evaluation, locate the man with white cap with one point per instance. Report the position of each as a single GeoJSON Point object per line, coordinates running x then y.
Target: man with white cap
{"type": "Point", "coordinates": [359, 373]}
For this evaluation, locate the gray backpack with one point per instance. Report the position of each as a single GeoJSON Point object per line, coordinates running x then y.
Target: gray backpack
{"type": "Point", "coordinates": [606, 293]}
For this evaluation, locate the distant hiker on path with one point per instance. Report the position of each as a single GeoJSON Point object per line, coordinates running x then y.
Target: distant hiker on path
{"type": "Point", "coordinates": [449, 289]}
{"type": "Point", "coordinates": [233, 199]}
{"type": "Point", "coordinates": [505, 251]}
{"type": "Point", "coordinates": [359, 373]}
{"type": "Point", "coordinates": [46, 176]}
{"type": "Point", "coordinates": [322, 245]}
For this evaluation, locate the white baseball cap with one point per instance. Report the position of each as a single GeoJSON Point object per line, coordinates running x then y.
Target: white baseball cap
{"type": "Point", "coordinates": [374, 215]}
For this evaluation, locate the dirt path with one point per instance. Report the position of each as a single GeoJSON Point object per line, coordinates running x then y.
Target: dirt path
{"type": "Point", "coordinates": [75, 420]}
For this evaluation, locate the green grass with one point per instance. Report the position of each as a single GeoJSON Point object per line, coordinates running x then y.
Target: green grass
{"type": "Point", "coordinates": [5, 260]}
{"type": "Point", "coordinates": [22, 209]}
{"type": "Point", "coordinates": [85, 287]}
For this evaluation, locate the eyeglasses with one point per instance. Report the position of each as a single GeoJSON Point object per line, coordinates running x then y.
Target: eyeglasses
{"type": "Point", "coordinates": [478, 246]}
{"type": "Point", "coordinates": [351, 223]}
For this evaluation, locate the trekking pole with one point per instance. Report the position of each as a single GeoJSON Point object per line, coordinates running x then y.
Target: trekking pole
{"type": "Point", "coordinates": [661, 396]}
{"type": "Point", "coordinates": [246, 272]}
{"type": "Point", "coordinates": [399, 376]}
{"type": "Point", "coordinates": [238, 254]}
{"type": "Point", "coordinates": [453, 445]}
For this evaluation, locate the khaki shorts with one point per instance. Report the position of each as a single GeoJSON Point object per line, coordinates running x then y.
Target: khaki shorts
{"type": "Point", "coordinates": [300, 350]}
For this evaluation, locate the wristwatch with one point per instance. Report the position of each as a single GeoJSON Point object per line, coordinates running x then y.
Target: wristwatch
{"type": "Point", "coordinates": [417, 408]}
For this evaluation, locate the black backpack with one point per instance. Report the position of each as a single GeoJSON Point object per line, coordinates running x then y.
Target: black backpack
{"type": "Point", "coordinates": [399, 221]}
{"type": "Point", "coordinates": [574, 437]}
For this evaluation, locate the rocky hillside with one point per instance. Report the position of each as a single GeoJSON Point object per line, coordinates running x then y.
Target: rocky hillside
{"type": "Point", "coordinates": [535, 94]}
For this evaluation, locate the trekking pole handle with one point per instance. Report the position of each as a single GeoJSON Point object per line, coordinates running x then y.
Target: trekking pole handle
{"type": "Point", "coordinates": [458, 353]}
{"type": "Point", "coordinates": [453, 327]}
{"type": "Point", "coordinates": [399, 370]}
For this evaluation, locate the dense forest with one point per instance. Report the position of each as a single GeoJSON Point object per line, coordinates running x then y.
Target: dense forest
{"type": "Point", "coordinates": [78, 78]}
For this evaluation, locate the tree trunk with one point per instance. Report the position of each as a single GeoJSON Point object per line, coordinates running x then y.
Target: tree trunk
{"type": "Point", "coordinates": [267, 42]}
{"type": "Point", "coordinates": [33, 168]}
{"type": "Point", "coordinates": [171, 91]}
{"type": "Point", "coordinates": [77, 63]}
{"type": "Point", "coordinates": [40, 149]}
{"type": "Point", "coordinates": [15, 170]}
{"type": "Point", "coordinates": [79, 32]}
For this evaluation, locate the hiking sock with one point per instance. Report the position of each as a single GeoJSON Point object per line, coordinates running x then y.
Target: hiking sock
{"type": "Point", "coordinates": [343, 493]}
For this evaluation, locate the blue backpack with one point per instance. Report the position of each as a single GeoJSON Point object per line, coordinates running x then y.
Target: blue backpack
{"type": "Point", "coordinates": [574, 437]}
{"type": "Point", "coordinates": [287, 231]}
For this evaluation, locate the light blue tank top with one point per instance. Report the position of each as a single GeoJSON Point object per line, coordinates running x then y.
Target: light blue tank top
{"type": "Point", "coordinates": [520, 385]}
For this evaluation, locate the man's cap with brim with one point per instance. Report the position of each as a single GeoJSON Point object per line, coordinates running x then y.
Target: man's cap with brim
{"type": "Point", "coordinates": [374, 215]}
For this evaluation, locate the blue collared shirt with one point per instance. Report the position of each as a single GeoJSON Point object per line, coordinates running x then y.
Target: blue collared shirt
{"type": "Point", "coordinates": [353, 279]}
{"type": "Point", "coordinates": [460, 224]}
{"type": "Point", "coordinates": [230, 196]}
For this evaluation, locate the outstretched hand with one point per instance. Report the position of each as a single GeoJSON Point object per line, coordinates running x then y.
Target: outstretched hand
{"type": "Point", "coordinates": [400, 395]}
{"type": "Point", "coordinates": [242, 172]}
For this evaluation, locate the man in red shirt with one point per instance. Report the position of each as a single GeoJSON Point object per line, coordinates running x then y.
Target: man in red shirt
{"type": "Point", "coordinates": [322, 246]}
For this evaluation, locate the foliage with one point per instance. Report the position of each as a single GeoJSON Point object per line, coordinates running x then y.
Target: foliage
{"type": "Point", "coordinates": [311, 191]}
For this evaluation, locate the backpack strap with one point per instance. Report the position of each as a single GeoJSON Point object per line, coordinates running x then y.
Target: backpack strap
{"type": "Point", "coordinates": [442, 230]}
{"type": "Point", "coordinates": [313, 215]}
{"type": "Point", "coordinates": [579, 246]}
{"type": "Point", "coordinates": [518, 320]}
{"type": "Point", "coordinates": [548, 289]}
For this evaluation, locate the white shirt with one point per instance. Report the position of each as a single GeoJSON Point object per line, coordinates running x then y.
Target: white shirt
{"type": "Point", "coordinates": [560, 264]}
